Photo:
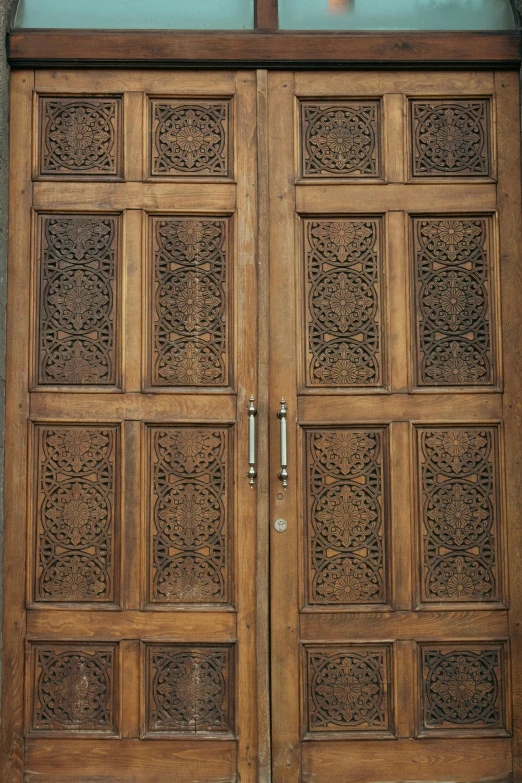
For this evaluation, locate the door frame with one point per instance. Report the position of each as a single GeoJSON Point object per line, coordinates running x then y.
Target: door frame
{"type": "Point", "coordinates": [263, 48]}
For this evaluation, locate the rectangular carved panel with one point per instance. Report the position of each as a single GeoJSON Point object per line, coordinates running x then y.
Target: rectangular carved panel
{"type": "Point", "coordinates": [74, 688]}
{"type": "Point", "coordinates": [190, 301]}
{"type": "Point", "coordinates": [346, 511]}
{"type": "Point", "coordinates": [348, 689]}
{"type": "Point", "coordinates": [190, 138]}
{"type": "Point", "coordinates": [343, 302]}
{"type": "Point", "coordinates": [80, 137]}
{"type": "Point", "coordinates": [450, 137]}
{"type": "Point", "coordinates": [76, 512]}
{"type": "Point", "coordinates": [189, 689]}
{"type": "Point", "coordinates": [459, 508]}
{"type": "Point", "coordinates": [78, 287]}
{"type": "Point", "coordinates": [341, 139]}
{"type": "Point", "coordinates": [189, 526]}
{"type": "Point", "coordinates": [453, 299]}
{"type": "Point", "coordinates": [463, 687]}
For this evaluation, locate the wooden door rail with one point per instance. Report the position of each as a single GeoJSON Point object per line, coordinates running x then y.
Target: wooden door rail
{"type": "Point", "coordinates": [270, 49]}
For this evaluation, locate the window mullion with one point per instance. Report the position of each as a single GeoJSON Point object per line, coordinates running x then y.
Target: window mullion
{"type": "Point", "coordinates": [266, 14]}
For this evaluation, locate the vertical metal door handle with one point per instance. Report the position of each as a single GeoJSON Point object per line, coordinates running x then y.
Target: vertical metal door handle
{"type": "Point", "coordinates": [252, 413]}
{"type": "Point", "coordinates": [281, 415]}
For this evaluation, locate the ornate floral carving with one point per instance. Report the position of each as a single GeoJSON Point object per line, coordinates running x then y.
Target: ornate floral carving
{"type": "Point", "coordinates": [345, 530]}
{"type": "Point", "coordinates": [341, 139]}
{"type": "Point", "coordinates": [76, 511]}
{"type": "Point", "coordinates": [190, 318]}
{"type": "Point", "coordinates": [457, 450]}
{"type": "Point", "coordinates": [77, 312]}
{"type": "Point", "coordinates": [451, 138]}
{"type": "Point", "coordinates": [190, 138]}
{"type": "Point", "coordinates": [347, 689]}
{"type": "Point", "coordinates": [80, 137]}
{"type": "Point", "coordinates": [462, 688]}
{"type": "Point", "coordinates": [189, 690]}
{"type": "Point", "coordinates": [346, 514]}
{"type": "Point", "coordinates": [345, 453]}
{"type": "Point", "coordinates": [345, 581]}
{"type": "Point", "coordinates": [74, 689]}
{"type": "Point", "coordinates": [344, 292]}
{"type": "Point", "coordinates": [459, 510]}
{"type": "Point", "coordinates": [189, 515]}
{"type": "Point", "coordinates": [453, 295]}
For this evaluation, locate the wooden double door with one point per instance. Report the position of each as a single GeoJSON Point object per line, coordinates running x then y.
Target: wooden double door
{"type": "Point", "coordinates": [347, 242]}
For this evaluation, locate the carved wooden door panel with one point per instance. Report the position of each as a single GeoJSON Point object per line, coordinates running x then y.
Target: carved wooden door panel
{"type": "Point", "coordinates": [135, 623]}
{"type": "Point", "coordinates": [128, 505]}
{"type": "Point", "coordinates": [394, 340]}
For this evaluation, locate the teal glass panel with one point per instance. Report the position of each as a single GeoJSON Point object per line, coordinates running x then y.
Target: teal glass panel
{"type": "Point", "coordinates": [137, 14]}
{"type": "Point", "coordinates": [396, 15]}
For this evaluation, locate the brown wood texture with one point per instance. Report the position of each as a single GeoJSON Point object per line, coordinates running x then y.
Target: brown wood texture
{"type": "Point", "coordinates": [347, 241]}
{"type": "Point", "coordinates": [404, 625]}
{"type": "Point", "coordinates": [509, 182]}
{"type": "Point", "coordinates": [135, 529]}
{"type": "Point", "coordinates": [145, 47]}
{"type": "Point", "coordinates": [17, 409]}
{"type": "Point", "coordinates": [284, 549]}
{"type": "Point", "coordinates": [263, 440]}
{"type": "Point", "coordinates": [423, 761]}
{"type": "Point", "coordinates": [158, 762]}
{"type": "Point", "coordinates": [265, 14]}
{"type": "Point", "coordinates": [183, 626]}
{"type": "Point", "coordinates": [390, 588]}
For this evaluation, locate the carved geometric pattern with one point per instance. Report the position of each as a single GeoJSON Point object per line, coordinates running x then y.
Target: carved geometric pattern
{"type": "Point", "coordinates": [341, 139]}
{"type": "Point", "coordinates": [190, 318]}
{"type": "Point", "coordinates": [80, 136]}
{"type": "Point", "coordinates": [453, 295]}
{"type": "Point", "coordinates": [189, 515]}
{"type": "Point", "coordinates": [459, 514]}
{"type": "Point", "coordinates": [77, 308]}
{"type": "Point", "coordinates": [344, 278]}
{"type": "Point", "coordinates": [451, 138]}
{"type": "Point", "coordinates": [189, 689]}
{"type": "Point", "coordinates": [74, 688]}
{"type": "Point", "coordinates": [347, 689]}
{"type": "Point", "coordinates": [190, 138]}
{"type": "Point", "coordinates": [76, 508]}
{"type": "Point", "coordinates": [463, 687]}
{"type": "Point", "coordinates": [345, 511]}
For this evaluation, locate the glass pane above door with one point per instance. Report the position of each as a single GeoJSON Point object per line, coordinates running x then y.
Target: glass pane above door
{"type": "Point", "coordinates": [396, 15]}
{"type": "Point", "coordinates": [137, 15]}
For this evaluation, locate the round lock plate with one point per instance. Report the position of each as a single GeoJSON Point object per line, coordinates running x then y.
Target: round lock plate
{"type": "Point", "coordinates": [280, 525]}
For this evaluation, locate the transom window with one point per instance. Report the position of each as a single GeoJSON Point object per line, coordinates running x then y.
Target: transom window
{"type": "Point", "coordinates": [137, 14]}
{"type": "Point", "coordinates": [396, 15]}
{"type": "Point", "coordinates": [341, 15]}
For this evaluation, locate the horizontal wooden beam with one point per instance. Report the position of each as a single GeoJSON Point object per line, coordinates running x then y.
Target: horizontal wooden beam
{"type": "Point", "coordinates": [189, 627]}
{"type": "Point", "coordinates": [439, 626]}
{"type": "Point", "coordinates": [128, 760]}
{"type": "Point", "coordinates": [161, 408]}
{"type": "Point", "coordinates": [422, 760]}
{"type": "Point", "coordinates": [444, 408]}
{"type": "Point", "coordinates": [315, 199]}
{"type": "Point", "coordinates": [182, 197]}
{"type": "Point", "coordinates": [178, 48]}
